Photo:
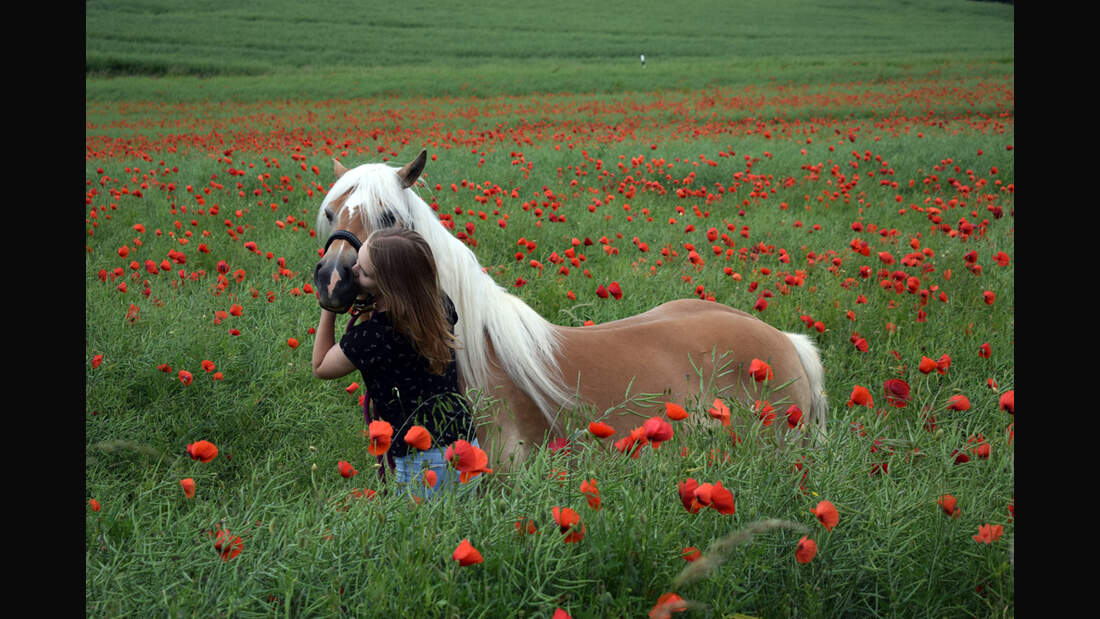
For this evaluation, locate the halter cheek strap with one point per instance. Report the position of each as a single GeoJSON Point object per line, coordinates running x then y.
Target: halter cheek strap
{"type": "Point", "coordinates": [343, 235]}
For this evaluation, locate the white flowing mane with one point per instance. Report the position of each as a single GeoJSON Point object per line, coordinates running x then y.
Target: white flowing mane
{"type": "Point", "coordinates": [523, 342]}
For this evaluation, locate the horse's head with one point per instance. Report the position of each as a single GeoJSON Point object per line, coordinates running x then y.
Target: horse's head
{"type": "Point", "coordinates": [357, 204]}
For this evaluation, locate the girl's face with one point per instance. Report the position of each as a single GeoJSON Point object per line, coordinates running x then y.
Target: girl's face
{"type": "Point", "coordinates": [363, 271]}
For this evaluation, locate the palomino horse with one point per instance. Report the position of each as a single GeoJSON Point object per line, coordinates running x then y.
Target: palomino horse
{"type": "Point", "coordinates": [529, 372]}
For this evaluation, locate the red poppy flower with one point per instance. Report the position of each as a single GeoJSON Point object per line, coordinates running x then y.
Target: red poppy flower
{"type": "Point", "coordinates": [897, 392]}
{"type": "Point", "coordinates": [208, 366]}
{"type": "Point", "coordinates": [589, 490]}
{"type": "Point", "coordinates": [721, 499]}
{"type": "Point", "coordinates": [615, 290]}
{"type": "Point", "coordinates": [430, 478]}
{"type": "Point", "coordinates": [96, 360]}
{"type": "Point", "coordinates": [806, 550]}
{"type": "Point", "coordinates": [827, 515]}
{"type": "Point", "coordinates": [558, 444]}
{"type": "Point", "coordinates": [861, 396]}
{"type": "Point", "coordinates": [987, 533]}
{"type": "Point", "coordinates": [601, 292]}
{"type": "Point", "coordinates": [346, 469]}
{"type": "Point", "coordinates": [666, 605]}
{"type": "Point", "coordinates": [703, 493]}
{"type": "Point", "coordinates": [352, 387]}
{"type": "Point", "coordinates": [950, 505]}
{"type": "Point", "coordinates": [380, 434]}
{"type": "Point", "coordinates": [94, 504]}
{"type": "Point", "coordinates": [471, 461]}
{"type": "Point", "coordinates": [794, 416]}
{"type": "Point", "coordinates": [600, 429]}
{"type": "Point", "coordinates": [292, 342]}
{"type": "Point", "coordinates": [203, 451]}
{"type": "Point", "coordinates": [958, 402]}
{"type": "Point", "coordinates": [526, 525]}
{"type": "Point", "coordinates": [633, 443]}
{"type": "Point", "coordinates": [675, 412]}
{"type": "Point", "coordinates": [927, 365]}
{"type": "Point", "coordinates": [984, 351]}
{"type": "Point", "coordinates": [690, 553]}
{"type": "Point", "coordinates": [657, 430]}
{"type": "Point", "coordinates": [466, 554]}
{"type": "Point", "coordinates": [418, 437]}
{"type": "Point", "coordinates": [185, 377]}
{"type": "Point", "coordinates": [1007, 401]}
{"type": "Point", "coordinates": [687, 495]}
{"type": "Point", "coordinates": [720, 411]}
{"type": "Point", "coordinates": [989, 297]}
{"type": "Point", "coordinates": [761, 371]}
{"type": "Point", "coordinates": [943, 364]}
{"type": "Point", "coordinates": [765, 411]}
{"type": "Point", "coordinates": [567, 519]}
{"type": "Point", "coordinates": [980, 448]}
{"type": "Point", "coordinates": [228, 546]}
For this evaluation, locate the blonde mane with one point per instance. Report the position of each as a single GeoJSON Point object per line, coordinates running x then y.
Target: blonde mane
{"type": "Point", "coordinates": [523, 343]}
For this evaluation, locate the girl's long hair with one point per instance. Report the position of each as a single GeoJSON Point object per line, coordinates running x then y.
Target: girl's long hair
{"type": "Point", "coordinates": [408, 282]}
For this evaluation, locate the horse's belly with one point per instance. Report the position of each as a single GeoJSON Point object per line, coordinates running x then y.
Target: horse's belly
{"type": "Point", "coordinates": [683, 354]}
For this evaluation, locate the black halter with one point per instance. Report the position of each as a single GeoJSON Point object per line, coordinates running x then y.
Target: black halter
{"type": "Point", "coordinates": [345, 235]}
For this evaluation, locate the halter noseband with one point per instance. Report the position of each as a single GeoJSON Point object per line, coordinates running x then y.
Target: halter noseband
{"type": "Point", "coordinates": [346, 236]}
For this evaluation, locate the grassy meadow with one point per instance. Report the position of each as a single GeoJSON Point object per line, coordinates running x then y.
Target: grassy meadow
{"type": "Point", "coordinates": [844, 171]}
{"type": "Point", "coordinates": [277, 49]}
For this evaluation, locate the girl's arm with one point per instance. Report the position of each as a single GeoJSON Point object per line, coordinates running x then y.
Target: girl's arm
{"type": "Point", "coordinates": [329, 360]}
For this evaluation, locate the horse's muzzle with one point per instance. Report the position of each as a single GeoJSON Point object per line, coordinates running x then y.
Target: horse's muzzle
{"type": "Point", "coordinates": [335, 283]}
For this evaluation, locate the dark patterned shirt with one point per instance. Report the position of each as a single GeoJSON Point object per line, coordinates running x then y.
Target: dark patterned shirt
{"type": "Point", "coordinates": [401, 386]}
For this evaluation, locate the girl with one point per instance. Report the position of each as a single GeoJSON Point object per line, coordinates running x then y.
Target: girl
{"type": "Point", "coordinates": [403, 345]}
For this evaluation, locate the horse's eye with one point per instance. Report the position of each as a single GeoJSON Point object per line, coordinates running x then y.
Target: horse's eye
{"type": "Point", "coordinates": [328, 215]}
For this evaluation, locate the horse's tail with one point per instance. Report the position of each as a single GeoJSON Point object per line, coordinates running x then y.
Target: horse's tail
{"type": "Point", "coordinates": [815, 373]}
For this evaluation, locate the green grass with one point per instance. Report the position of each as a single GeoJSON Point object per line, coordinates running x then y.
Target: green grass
{"type": "Point", "coordinates": [278, 49]}
{"type": "Point", "coordinates": [893, 550]}
{"type": "Point", "coordinates": [231, 144]}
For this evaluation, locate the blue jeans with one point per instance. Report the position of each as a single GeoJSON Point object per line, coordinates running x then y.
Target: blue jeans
{"type": "Point", "coordinates": [409, 472]}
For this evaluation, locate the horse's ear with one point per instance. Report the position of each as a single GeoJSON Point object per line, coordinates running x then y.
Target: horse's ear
{"type": "Point", "coordinates": [412, 170]}
{"type": "Point", "coordinates": [338, 168]}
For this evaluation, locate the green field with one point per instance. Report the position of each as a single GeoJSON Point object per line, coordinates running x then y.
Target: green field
{"type": "Point", "coordinates": [857, 156]}
{"type": "Point", "coordinates": [321, 50]}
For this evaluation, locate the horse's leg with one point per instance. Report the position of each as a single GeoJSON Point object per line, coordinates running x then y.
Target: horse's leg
{"type": "Point", "coordinates": [509, 425]}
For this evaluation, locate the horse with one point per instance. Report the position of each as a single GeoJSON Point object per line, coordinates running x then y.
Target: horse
{"type": "Point", "coordinates": [531, 374]}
